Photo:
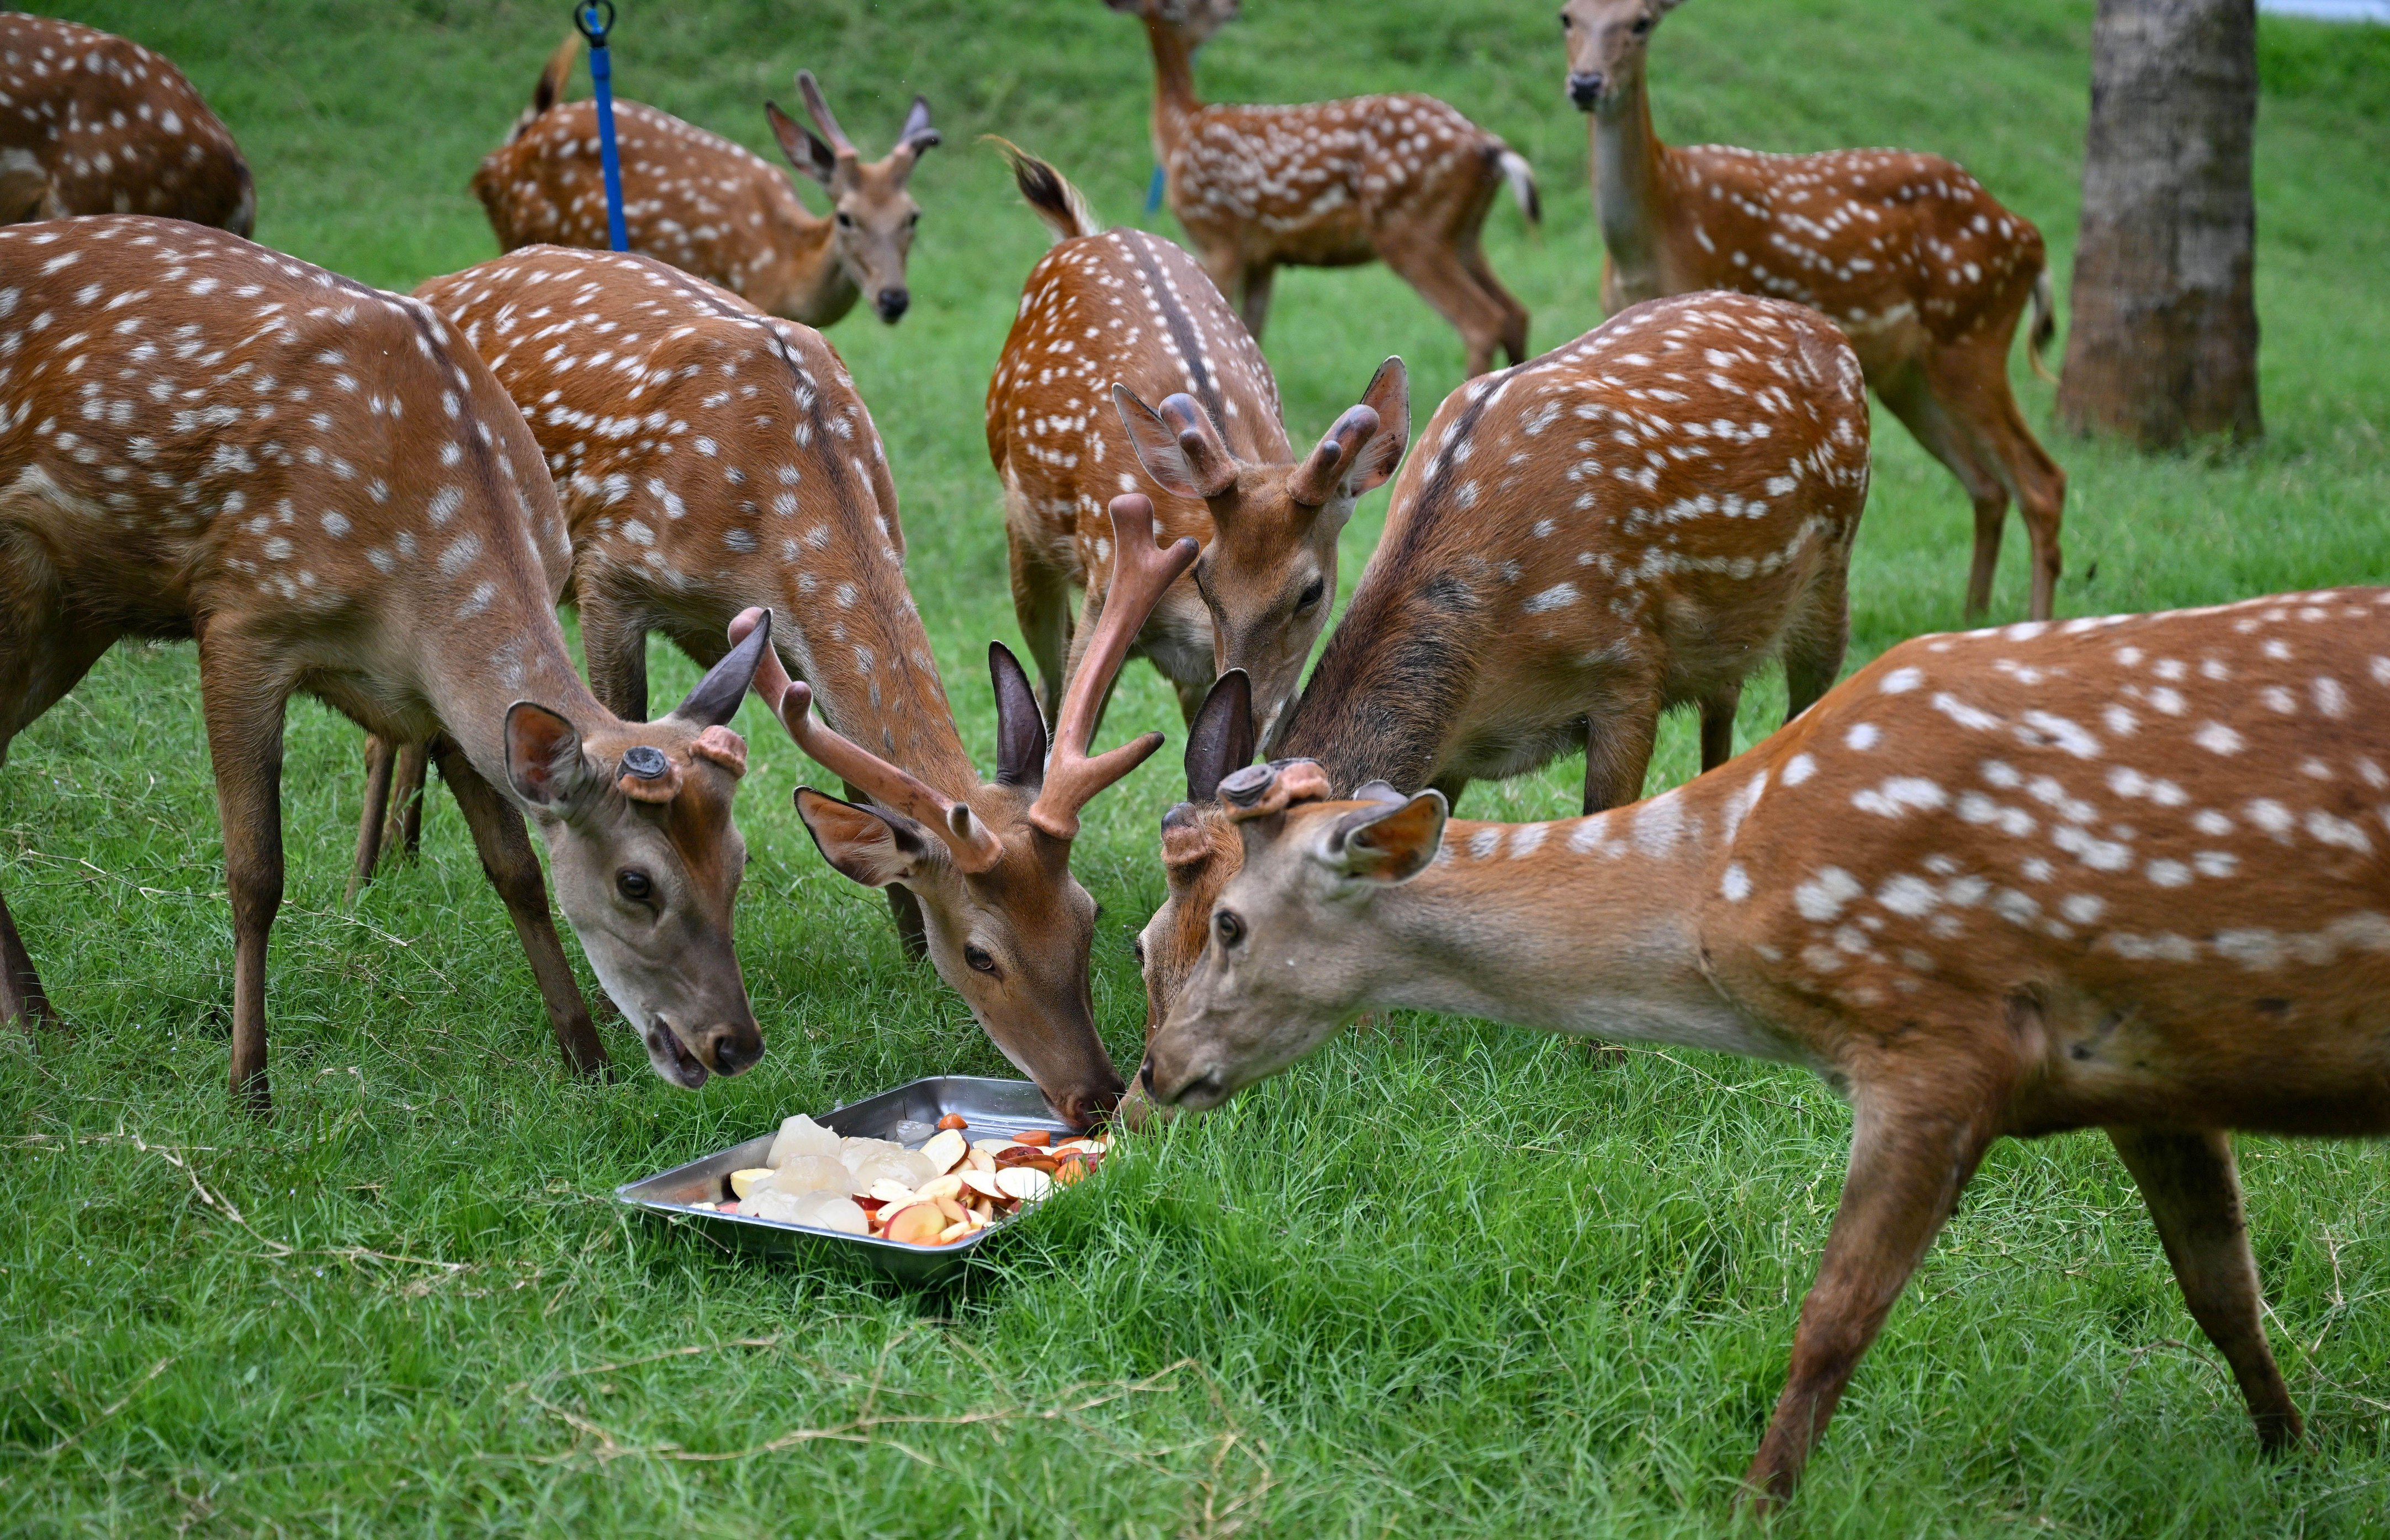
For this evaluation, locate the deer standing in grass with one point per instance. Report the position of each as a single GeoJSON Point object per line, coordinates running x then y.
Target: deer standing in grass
{"type": "Point", "coordinates": [1109, 320]}
{"type": "Point", "coordinates": [1638, 520]}
{"type": "Point", "coordinates": [1399, 179]}
{"type": "Point", "coordinates": [712, 208]}
{"type": "Point", "coordinates": [321, 486]}
{"type": "Point", "coordinates": [2130, 873]}
{"type": "Point", "coordinates": [1010, 926]}
{"type": "Point", "coordinates": [93, 123]}
{"type": "Point", "coordinates": [1923, 269]}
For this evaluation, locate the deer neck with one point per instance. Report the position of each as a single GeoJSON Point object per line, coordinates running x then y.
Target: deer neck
{"type": "Point", "coordinates": [477, 654]}
{"type": "Point", "coordinates": [810, 285]}
{"type": "Point", "coordinates": [1386, 694]}
{"type": "Point", "coordinates": [1173, 85]}
{"type": "Point", "coordinates": [1628, 159]}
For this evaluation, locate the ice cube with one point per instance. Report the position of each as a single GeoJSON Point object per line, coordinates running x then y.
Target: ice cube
{"type": "Point", "coordinates": [815, 1174]}
{"type": "Point", "coordinates": [853, 1151]}
{"type": "Point", "coordinates": [800, 1135]}
{"type": "Point", "coordinates": [772, 1203]}
{"type": "Point", "coordinates": [913, 1131]}
{"type": "Point", "coordinates": [905, 1167]}
{"type": "Point", "coordinates": [830, 1211]}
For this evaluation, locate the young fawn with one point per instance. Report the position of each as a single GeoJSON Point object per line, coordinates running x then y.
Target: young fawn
{"type": "Point", "coordinates": [324, 489]}
{"type": "Point", "coordinates": [1402, 179]}
{"type": "Point", "coordinates": [2124, 873]}
{"type": "Point", "coordinates": [1108, 321]}
{"type": "Point", "coordinates": [1010, 926]}
{"type": "Point", "coordinates": [93, 123]}
{"type": "Point", "coordinates": [1640, 519]}
{"type": "Point", "coordinates": [712, 208]}
{"type": "Point", "coordinates": [1909, 253]}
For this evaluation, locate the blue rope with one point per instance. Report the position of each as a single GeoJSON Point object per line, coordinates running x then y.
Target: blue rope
{"type": "Point", "coordinates": [1153, 191]}
{"type": "Point", "coordinates": [595, 21]}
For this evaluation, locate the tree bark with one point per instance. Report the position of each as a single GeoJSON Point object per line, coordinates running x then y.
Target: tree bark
{"type": "Point", "coordinates": [2164, 341]}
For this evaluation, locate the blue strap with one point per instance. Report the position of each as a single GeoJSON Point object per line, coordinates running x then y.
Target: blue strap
{"type": "Point", "coordinates": [1153, 191]}
{"type": "Point", "coordinates": [596, 20]}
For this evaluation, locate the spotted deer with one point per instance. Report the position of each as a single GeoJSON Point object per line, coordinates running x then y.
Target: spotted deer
{"type": "Point", "coordinates": [712, 208]}
{"type": "Point", "coordinates": [1924, 270]}
{"type": "Point", "coordinates": [2124, 873]}
{"type": "Point", "coordinates": [1399, 179]}
{"type": "Point", "coordinates": [1009, 926]}
{"type": "Point", "coordinates": [1638, 521]}
{"type": "Point", "coordinates": [93, 124]}
{"type": "Point", "coordinates": [323, 487]}
{"type": "Point", "coordinates": [1108, 321]}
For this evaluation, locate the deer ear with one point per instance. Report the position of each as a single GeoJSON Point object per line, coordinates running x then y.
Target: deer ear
{"type": "Point", "coordinates": [869, 845]}
{"type": "Point", "coordinates": [1388, 396]}
{"type": "Point", "coordinates": [805, 149]}
{"type": "Point", "coordinates": [715, 700]}
{"type": "Point", "coordinates": [1220, 739]}
{"type": "Point", "coordinates": [1387, 841]}
{"type": "Point", "coordinates": [1157, 447]}
{"type": "Point", "coordinates": [918, 134]}
{"type": "Point", "coordinates": [544, 764]}
{"type": "Point", "coordinates": [1020, 726]}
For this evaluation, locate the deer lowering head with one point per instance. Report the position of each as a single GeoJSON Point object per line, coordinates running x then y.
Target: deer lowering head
{"type": "Point", "coordinates": [1008, 926]}
{"type": "Point", "coordinates": [873, 212]}
{"type": "Point", "coordinates": [95, 123]}
{"type": "Point", "coordinates": [2124, 873]}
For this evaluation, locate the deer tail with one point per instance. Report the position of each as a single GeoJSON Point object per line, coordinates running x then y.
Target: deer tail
{"type": "Point", "coordinates": [1521, 177]}
{"type": "Point", "coordinates": [2044, 324]}
{"type": "Point", "coordinates": [1064, 207]}
{"type": "Point", "coordinates": [550, 89]}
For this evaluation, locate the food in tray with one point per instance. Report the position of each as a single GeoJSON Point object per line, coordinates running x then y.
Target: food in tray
{"type": "Point", "coordinates": [951, 1186]}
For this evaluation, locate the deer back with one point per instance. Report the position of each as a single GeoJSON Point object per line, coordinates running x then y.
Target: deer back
{"type": "Point", "coordinates": [93, 123]}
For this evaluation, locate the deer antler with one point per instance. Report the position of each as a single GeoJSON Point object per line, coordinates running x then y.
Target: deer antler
{"type": "Point", "coordinates": [1320, 476]}
{"type": "Point", "coordinates": [973, 845]}
{"type": "Point", "coordinates": [820, 108]}
{"type": "Point", "coordinates": [1142, 571]}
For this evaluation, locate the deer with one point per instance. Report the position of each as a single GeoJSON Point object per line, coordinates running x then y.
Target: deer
{"type": "Point", "coordinates": [326, 490]}
{"type": "Point", "coordinates": [1404, 179]}
{"type": "Point", "coordinates": [93, 124]}
{"type": "Point", "coordinates": [1638, 521]}
{"type": "Point", "coordinates": [1117, 317]}
{"type": "Point", "coordinates": [2123, 872]}
{"type": "Point", "coordinates": [1921, 267]}
{"type": "Point", "coordinates": [712, 208]}
{"type": "Point", "coordinates": [1009, 927]}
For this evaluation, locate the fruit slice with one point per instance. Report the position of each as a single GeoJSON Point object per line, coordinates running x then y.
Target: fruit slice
{"type": "Point", "coordinates": [953, 1120]}
{"type": "Point", "coordinates": [946, 1150]}
{"type": "Point", "coordinates": [948, 1186]}
{"type": "Point", "coordinates": [744, 1182]}
{"type": "Point", "coordinates": [916, 1225]}
{"type": "Point", "coordinates": [893, 1192]}
{"type": "Point", "coordinates": [1033, 1136]}
{"type": "Point", "coordinates": [1024, 1184]}
{"type": "Point", "coordinates": [1071, 1171]}
{"type": "Point", "coordinates": [984, 1184]}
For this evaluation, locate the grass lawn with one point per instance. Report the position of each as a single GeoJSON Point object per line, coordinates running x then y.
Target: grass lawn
{"type": "Point", "coordinates": [1445, 1278]}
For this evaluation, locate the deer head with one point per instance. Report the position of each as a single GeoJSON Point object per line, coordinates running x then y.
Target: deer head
{"type": "Point", "coordinates": [1291, 952]}
{"type": "Point", "coordinates": [1606, 42]}
{"type": "Point", "coordinates": [1193, 20]}
{"type": "Point", "coordinates": [873, 215]}
{"type": "Point", "coordinates": [1009, 927]}
{"type": "Point", "coordinates": [1199, 847]}
{"type": "Point", "coordinates": [646, 862]}
{"type": "Point", "coordinates": [1268, 576]}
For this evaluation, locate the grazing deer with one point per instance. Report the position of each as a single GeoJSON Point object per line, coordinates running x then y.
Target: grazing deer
{"type": "Point", "coordinates": [1907, 252]}
{"type": "Point", "coordinates": [321, 486]}
{"type": "Point", "coordinates": [2125, 873]}
{"type": "Point", "coordinates": [93, 123]}
{"type": "Point", "coordinates": [1638, 520]}
{"type": "Point", "coordinates": [1009, 926]}
{"type": "Point", "coordinates": [1109, 319]}
{"type": "Point", "coordinates": [1401, 179]}
{"type": "Point", "coordinates": [711, 207]}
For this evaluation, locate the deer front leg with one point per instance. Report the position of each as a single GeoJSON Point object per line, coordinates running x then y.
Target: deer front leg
{"type": "Point", "coordinates": [22, 999]}
{"type": "Point", "coordinates": [405, 831]}
{"type": "Point", "coordinates": [1041, 603]}
{"type": "Point", "coordinates": [614, 649]}
{"type": "Point", "coordinates": [379, 760]}
{"type": "Point", "coordinates": [243, 692]}
{"type": "Point", "coordinates": [1717, 726]}
{"type": "Point", "coordinates": [513, 869]}
{"type": "Point", "coordinates": [1619, 735]}
{"type": "Point", "coordinates": [2187, 1178]}
{"type": "Point", "coordinates": [1254, 298]}
{"type": "Point", "coordinates": [1910, 1161]}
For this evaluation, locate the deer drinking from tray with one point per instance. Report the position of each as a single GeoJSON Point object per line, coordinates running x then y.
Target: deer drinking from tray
{"type": "Point", "coordinates": [1923, 269]}
{"type": "Point", "coordinates": [326, 489]}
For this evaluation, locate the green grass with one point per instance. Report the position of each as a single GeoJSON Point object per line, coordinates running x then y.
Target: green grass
{"type": "Point", "coordinates": [1445, 1278]}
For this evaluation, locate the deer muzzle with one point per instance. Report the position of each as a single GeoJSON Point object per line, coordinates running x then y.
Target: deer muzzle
{"type": "Point", "coordinates": [1584, 89]}
{"type": "Point", "coordinates": [891, 303]}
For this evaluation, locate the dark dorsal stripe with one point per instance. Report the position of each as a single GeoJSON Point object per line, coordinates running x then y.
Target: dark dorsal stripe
{"type": "Point", "coordinates": [1182, 328]}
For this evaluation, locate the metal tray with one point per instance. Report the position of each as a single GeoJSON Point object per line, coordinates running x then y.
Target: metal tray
{"type": "Point", "coordinates": [992, 1107]}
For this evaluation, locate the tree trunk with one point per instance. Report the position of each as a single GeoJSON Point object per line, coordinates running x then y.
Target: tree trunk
{"type": "Point", "coordinates": [2164, 341]}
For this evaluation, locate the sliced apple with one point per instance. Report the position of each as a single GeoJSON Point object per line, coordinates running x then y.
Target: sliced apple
{"type": "Point", "coordinates": [948, 1186]}
{"type": "Point", "coordinates": [916, 1225]}
{"type": "Point", "coordinates": [894, 1192]}
{"type": "Point", "coordinates": [952, 1233]}
{"type": "Point", "coordinates": [946, 1150]}
{"type": "Point", "coordinates": [1024, 1184]}
{"type": "Point", "coordinates": [744, 1182]}
{"type": "Point", "coordinates": [983, 1183]}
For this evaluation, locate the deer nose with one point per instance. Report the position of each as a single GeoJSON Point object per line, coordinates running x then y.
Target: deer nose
{"type": "Point", "coordinates": [892, 303]}
{"type": "Point", "coordinates": [1084, 1108]}
{"type": "Point", "coordinates": [1584, 89]}
{"type": "Point", "coordinates": [729, 1050]}
{"type": "Point", "coordinates": [1145, 1074]}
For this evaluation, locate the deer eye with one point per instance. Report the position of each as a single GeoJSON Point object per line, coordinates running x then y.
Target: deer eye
{"type": "Point", "coordinates": [1137, 945]}
{"type": "Point", "coordinates": [979, 959]}
{"type": "Point", "coordinates": [634, 884]}
{"type": "Point", "coordinates": [845, 220]}
{"type": "Point", "coordinates": [1312, 594]}
{"type": "Point", "coordinates": [1642, 25]}
{"type": "Point", "coordinates": [1231, 928]}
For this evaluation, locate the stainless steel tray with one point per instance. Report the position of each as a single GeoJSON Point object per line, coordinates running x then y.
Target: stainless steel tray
{"type": "Point", "coordinates": [992, 1107]}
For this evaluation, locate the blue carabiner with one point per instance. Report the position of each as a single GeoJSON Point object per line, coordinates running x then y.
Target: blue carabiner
{"type": "Point", "coordinates": [595, 20]}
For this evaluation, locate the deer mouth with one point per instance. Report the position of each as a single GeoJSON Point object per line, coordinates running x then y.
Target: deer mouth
{"type": "Point", "coordinates": [671, 1057]}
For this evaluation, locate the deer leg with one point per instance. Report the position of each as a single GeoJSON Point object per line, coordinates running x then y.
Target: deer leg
{"type": "Point", "coordinates": [1452, 785]}
{"type": "Point", "coordinates": [42, 657]}
{"type": "Point", "coordinates": [2025, 469]}
{"type": "Point", "coordinates": [244, 699]}
{"type": "Point", "coordinates": [1514, 314]}
{"type": "Point", "coordinates": [1923, 409]}
{"type": "Point", "coordinates": [1253, 297]}
{"type": "Point", "coordinates": [1717, 724]}
{"type": "Point", "coordinates": [21, 997]}
{"type": "Point", "coordinates": [1815, 644]}
{"type": "Point", "coordinates": [513, 870]}
{"type": "Point", "coordinates": [912, 927]}
{"type": "Point", "coordinates": [1908, 1167]}
{"type": "Point", "coordinates": [1618, 750]}
{"type": "Point", "coordinates": [378, 768]}
{"type": "Point", "coordinates": [1436, 271]}
{"type": "Point", "coordinates": [614, 650]}
{"type": "Point", "coordinates": [2187, 1178]}
{"type": "Point", "coordinates": [405, 831]}
{"type": "Point", "coordinates": [1041, 603]}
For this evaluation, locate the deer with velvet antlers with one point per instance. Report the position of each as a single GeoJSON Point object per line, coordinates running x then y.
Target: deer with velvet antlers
{"type": "Point", "coordinates": [321, 486]}
{"type": "Point", "coordinates": [1399, 179]}
{"type": "Point", "coordinates": [1924, 270]}
{"type": "Point", "coordinates": [1638, 521]}
{"type": "Point", "coordinates": [1010, 926]}
{"type": "Point", "coordinates": [712, 208]}
{"type": "Point", "coordinates": [93, 123]}
{"type": "Point", "coordinates": [2130, 873]}
{"type": "Point", "coordinates": [1108, 321]}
